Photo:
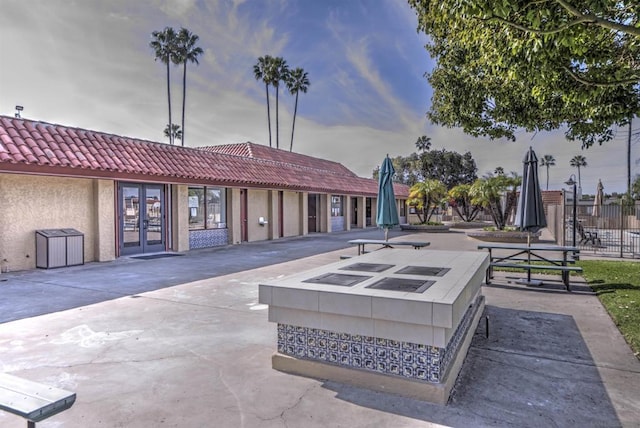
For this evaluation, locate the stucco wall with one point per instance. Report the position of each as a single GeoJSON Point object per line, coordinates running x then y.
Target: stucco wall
{"type": "Point", "coordinates": [104, 192]}
{"type": "Point", "coordinates": [29, 203]}
{"type": "Point", "coordinates": [234, 221]}
{"type": "Point", "coordinates": [180, 217]}
{"type": "Point", "coordinates": [291, 214]}
{"type": "Point", "coordinates": [258, 206]}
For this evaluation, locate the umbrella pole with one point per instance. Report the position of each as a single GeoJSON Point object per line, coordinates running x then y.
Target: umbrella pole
{"type": "Point", "coordinates": [386, 233]}
{"type": "Point", "coordinates": [529, 255]}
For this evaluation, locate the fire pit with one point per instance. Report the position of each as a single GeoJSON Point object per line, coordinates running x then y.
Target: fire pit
{"type": "Point", "coordinates": [398, 321]}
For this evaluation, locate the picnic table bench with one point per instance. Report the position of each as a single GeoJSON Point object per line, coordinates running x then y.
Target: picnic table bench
{"type": "Point", "coordinates": [520, 256]}
{"type": "Point", "coordinates": [387, 244]}
{"type": "Point", "coordinates": [31, 400]}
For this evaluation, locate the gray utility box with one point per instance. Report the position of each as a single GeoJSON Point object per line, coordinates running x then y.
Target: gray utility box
{"type": "Point", "coordinates": [59, 248]}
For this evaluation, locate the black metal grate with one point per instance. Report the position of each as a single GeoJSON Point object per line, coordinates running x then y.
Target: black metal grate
{"type": "Point", "coordinates": [342, 279]}
{"type": "Point", "coordinates": [424, 270]}
{"type": "Point", "coordinates": [368, 267]}
{"type": "Point", "coordinates": [402, 284]}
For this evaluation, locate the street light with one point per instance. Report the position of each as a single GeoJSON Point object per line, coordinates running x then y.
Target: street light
{"type": "Point", "coordinates": [572, 182]}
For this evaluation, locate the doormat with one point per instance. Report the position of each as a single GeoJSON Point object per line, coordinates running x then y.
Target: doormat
{"type": "Point", "coordinates": [156, 256]}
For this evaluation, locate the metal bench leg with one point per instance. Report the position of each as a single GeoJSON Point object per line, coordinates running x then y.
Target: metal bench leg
{"type": "Point", "coordinates": [565, 278]}
{"type": "Point", "coordinates": [488, 275]}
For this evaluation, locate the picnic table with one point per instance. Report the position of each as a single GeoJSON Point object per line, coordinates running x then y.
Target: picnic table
{"type": "Point", "coordinates": [387, 244]}
{"type": "Point", "coordinates": [520, 256]}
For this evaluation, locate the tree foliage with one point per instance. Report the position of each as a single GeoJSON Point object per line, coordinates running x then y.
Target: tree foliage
{"type": "Point", "coordinates": [186, 51]}
{"type": "Point", "coordinates": [173, 133]}
{"type": "Point", "coordinates": [498, 195]}
{"type": "Point", "coordinates": [547, 161]}
{"type": "Point", "coordinates": [578, 161]}
{"type": "Point", "coordinates": [537, 65]}
{"type": "Point", "coordinates": [449, 167]}
{"type": "Point", "coordinates": [426, 197]}
{"type": "Point", "coordinates": [171, 47]}
{"type": "Point", "coordinates": [297, 81]}
{"type": "Point", "coordinates": [423, 143]}
{"type": "Point", "coordinates": [460, 200]}
{"type": "Point", "coordinates": [164, 45]}
{"type": "Point", "coordinates": [635, 189]}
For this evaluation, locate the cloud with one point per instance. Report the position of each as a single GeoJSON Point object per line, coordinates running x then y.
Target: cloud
{"type": "Point", "coordinates": [90, 66]}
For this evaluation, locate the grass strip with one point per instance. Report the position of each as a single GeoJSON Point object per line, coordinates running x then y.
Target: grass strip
{"type": "Point", "coordinates": [617, 285]}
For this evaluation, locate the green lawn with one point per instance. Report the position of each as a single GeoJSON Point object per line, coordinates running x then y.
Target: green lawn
{"type": "Point", "coordinates": [617, 284]}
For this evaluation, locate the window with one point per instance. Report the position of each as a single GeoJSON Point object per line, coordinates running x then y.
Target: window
{"type": "Point", "coordinates": [403, 208]}
{"type": "Point", "coordinates": [207, 208]}
{"type": "Point", "coordinates": [336, 206]}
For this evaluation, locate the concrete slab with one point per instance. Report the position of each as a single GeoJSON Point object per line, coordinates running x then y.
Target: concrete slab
{"type": "Point", "coordinates": [199, 354]}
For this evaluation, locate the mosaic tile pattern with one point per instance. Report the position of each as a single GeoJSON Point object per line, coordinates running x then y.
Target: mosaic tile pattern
{"type": "Point", "coordinates": [208, 238]}
{"type": "Point", "coordinates": [408, 360]}
{"type": "Point", "coordinates": [458, 336]}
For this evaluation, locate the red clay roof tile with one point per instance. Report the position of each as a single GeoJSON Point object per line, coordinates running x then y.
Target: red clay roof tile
{"type": "Point", "coordinates": [46, 145]}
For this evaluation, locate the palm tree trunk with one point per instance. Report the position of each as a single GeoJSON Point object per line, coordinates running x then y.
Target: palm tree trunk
{"type": "Point", "coordinates": [277, 130]}
{"type": "Point", "coordinates": [547, 173]}
{"type": "Point", "coordinates": [266, 87]}
{"type": "Point", "coordinates": [184, 96]}
{"type": "Point", "coordinates": [169, 98]}
{"type": "Point", "coordinates": [293, 127]}
{"type": "Point", "coordinates": [579, 179]}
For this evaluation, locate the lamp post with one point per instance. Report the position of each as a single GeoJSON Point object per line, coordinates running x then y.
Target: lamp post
{"type": "Point", "coordinates": [572, 182]}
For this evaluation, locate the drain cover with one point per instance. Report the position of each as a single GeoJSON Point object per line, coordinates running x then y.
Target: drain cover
{"type": "Point", "coordinates": [402, 284]}
{"type": "Point", "coordinates": [337, 279]}
{"type": "Point", "coordinates": [424, 270]}
{"type": "Point", "coordinates": [368, 267]}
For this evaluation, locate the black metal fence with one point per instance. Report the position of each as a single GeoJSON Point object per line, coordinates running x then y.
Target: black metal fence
{"type": "Point", "coordinates": [611, 229]}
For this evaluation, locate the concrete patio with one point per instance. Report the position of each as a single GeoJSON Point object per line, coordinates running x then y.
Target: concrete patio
{"type": "Point", "coordinates": [197, 353]}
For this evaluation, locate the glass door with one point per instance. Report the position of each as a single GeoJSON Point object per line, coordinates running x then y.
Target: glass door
{"type": "Point", "coordinates": [142, 225]}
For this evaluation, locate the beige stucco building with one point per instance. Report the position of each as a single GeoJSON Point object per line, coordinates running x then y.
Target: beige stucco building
{"type": "Point", "coordinates": [129, 196]}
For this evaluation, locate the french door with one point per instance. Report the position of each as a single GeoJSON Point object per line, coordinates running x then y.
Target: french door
{"type": "Point", "coordinates": [142, 218]}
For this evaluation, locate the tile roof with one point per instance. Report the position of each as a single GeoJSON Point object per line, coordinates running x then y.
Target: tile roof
{"type": "Point", "coordinates": [258, 151]}
{"type": "Point", "coordinates": [28, 146]}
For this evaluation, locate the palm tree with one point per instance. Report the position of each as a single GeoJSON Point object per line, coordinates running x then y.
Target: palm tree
{"type": "Point", "coordinates": [174, 134]}
{"type": "Point", "coordinates": [489, 192]}
{"type": "Point", "coordinates": [298, 81]}
{"type": "Point", "coordinates": [578, 161]}
{"type": "Point", "coordinates": [187, 51]}
{"type": "Point", "coordinates": [263, 70]}
{"type": "Point", "coordinates": [426, 197]}
{"type": "Point", "coordinates": [547, 160]}
{"type": "Point", "coordinates": [423, 143]}
{"type": "Point", "coordinates": [164, 46]}
{"type": "Point", "coordinates": [280, 74]}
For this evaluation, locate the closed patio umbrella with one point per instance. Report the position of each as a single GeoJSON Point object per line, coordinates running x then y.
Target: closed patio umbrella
{"type": "Point", "coordinates": [530, 213]}
{"type": "Point", "coordinates": [387, 212]}
{"type": "Point", "coordinates": [597, 202]}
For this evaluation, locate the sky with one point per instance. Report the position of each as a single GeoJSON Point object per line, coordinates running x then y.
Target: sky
{"type": "Point", "coordinates": [88, 64]}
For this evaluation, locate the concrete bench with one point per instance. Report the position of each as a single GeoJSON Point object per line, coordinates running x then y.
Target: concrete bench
{"type": "Point", "coordinates": [31, 400]}
{"type": "Point", "coordinates": [564, 270]}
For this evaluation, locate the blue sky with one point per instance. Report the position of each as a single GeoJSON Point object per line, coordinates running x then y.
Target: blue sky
{"type": "Point", "coordinates": [88, 64]}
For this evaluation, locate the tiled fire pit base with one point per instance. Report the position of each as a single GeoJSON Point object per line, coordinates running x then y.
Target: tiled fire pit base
{"type": "Point", "coordinates": [411, 370]}
{"type": "Point", "coordinates": [406, 340]}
